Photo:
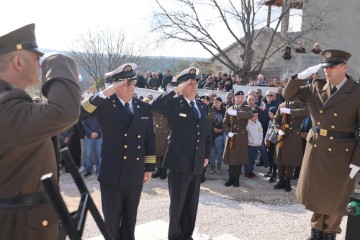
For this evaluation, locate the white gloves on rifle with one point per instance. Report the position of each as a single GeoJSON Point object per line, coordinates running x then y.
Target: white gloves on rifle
{"type": "Point", "coordinates": [353, 171]}
{"type": "Point", "coordinates": [285, 110]}
{"type": "Point", "coordinates": [281, 132]}
{"type": "Point", "coordinates": [309, 71]}
{"type": "Point", "coordinates": [230, 134]}
{"type": "Point", "coordinates": [232, 112]}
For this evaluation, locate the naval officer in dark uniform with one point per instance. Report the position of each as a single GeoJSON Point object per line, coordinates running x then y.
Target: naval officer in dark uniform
{"type": "Point", "coordinates": [188, 150]}
{"type": "Point", "coordinates": [128, 149]}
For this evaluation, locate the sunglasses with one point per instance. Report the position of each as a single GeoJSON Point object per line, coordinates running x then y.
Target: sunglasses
{"type": "Point", "coordinates": [269, 95]}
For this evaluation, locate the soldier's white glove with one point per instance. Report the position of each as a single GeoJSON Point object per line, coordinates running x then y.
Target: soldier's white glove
{"type": "Point", "coordinates": [285, 110]}
{"type": "Point", "coordinates": [230, 134]}
{"type": "Point", "coordinates": [353, 171]}
{"type": "Point", "coordinates": [281, 132]}
{"type": "Point", "coordinates": [232, 112]}
{"type": "Point", "coordinates": [309, 71]}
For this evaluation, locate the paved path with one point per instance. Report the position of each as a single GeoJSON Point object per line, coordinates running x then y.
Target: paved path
{"type": "Point", "coordinates": [255, 211]}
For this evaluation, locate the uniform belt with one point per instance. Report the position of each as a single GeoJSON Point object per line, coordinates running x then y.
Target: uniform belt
{"type": "Point", "coordinates": [335, 134]}
{"type": "Point", "coordinates": [292, 126]}
{"type": "Point", "coordinates": [26, 200]}
{"type": "Point", "coordinates": [241, 126]}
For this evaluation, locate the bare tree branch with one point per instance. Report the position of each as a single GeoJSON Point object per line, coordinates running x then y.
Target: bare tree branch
{"type": "Point", "coordinates": [103, 50]}
{"type": "Point", "coordinates": [190, 22]}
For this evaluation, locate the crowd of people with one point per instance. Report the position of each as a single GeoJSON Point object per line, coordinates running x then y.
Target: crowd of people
{"type": "Point", "coordinates": [286, 51]}
{"type": "Point", "coordinates": [220, 81]}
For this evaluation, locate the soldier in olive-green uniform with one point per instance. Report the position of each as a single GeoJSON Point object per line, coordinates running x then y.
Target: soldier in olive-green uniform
{"type": "Point", "coordinates": [161, 130]}
{"type": "Point", "coordinates": [289, 152]}
{"type": "Point", "coordinates": [332, 144]}
{"type": "Point", "coordinates": [27, 151]}
{"type": "Point", "coordinates": [234, 124]}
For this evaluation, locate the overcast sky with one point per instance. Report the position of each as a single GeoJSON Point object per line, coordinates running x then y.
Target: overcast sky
{"type": "Point", "coordinates": [58, 23]}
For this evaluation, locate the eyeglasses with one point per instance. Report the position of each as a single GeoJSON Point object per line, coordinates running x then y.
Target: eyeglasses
{"type": "Point", "coordinates": [269, 95]}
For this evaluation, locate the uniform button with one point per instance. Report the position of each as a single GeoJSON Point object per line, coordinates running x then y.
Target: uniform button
{"type": "Point", "coordinates": [315, 145]}
{"type": "Point", "coordinates": [139, 136]}
{"type": "Point", "coordinates": [125, 135]}
{"type": "Point", "coordinates": [346, 149]}
{"type": "Point", "coordinates": [125, 157]}
{"type": "Point", "coordinates": [198, 140]}
{"type": "Point", "coordinates": [125, 146]}
{"type": "Point", "coordinates": [198, 133]}
{"type": "Point", "coordinates": [197, 147]}
{"type": "Point", "coordinates": [290, 128]}
{"type": "Point", "coordinates": [318, 123]}
{"type": "Point", "coordinates": [331, 138]}
{"type": "Point", "coordinates": [234, 126]}
{"type": "Point", "coordinates": [137, 158]}
{"type": "Point", "coordinates": [45, 223]}
{"type": "Point", "coordinates": [290, 122]}
{"type": "Point", "coordinates": [335, 114]}
{"type": "Point", "coordinates": [332, 126]}
{"type": "Point", "coordinates": [198, 125]}
{"type": "Point", "coordinates": [139, 147]}
{"type": "Point", "coordinates": [321, 111]}
{"type": "Point", "coordinates": [329, 149]}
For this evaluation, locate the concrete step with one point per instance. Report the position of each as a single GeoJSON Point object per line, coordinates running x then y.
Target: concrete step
{"type": "Point", "coordinates": [158, 230]}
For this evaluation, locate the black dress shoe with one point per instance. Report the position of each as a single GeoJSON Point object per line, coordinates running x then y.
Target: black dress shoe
{"type": "Point", "coordinates": [269, 174]}
{"type": "Point", "coordinates": [157, 173]}
{"type": "Point", "coordinates": [272, 179]}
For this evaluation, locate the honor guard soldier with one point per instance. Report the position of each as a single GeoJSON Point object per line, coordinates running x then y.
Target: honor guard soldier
{"type": "Point", "coordinates": [236, 146]}
{"type": "Point", "coordinates": [128, 149]}
{"type": "Point", "coordinates": [326, 178]}
{"type": "Point", "coordinates": [161, 129]}
{"type": "Point", "coordinates": [289, 150]}
{"type": "Point", "coordinates": [28, 150]}
{"type": "Point", "coordinates": [188, 150]}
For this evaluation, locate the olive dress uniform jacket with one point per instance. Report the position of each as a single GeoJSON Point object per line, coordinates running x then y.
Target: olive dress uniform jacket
{"type": "Point", "coordinates": [324, 185]}
{"type": "Point", "coordinates": [291, 153]}
{"type": "Point", "coordinates": [190, 140]}
{"type": "Point", "coordinates": [127, 151]}
{"type": "Point", "coordinates": [238, 155]}
{"type": "Point", "coordinates": [27, 151]}
{"type": "Point", "coordinates": [161, 129]}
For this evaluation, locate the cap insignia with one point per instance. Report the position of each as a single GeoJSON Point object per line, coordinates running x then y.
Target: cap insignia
{"type": "Point", "coordinates": [127, 68]}
{"type": "Point", "coordinates": [327, 55]}
{"type": "Point", "coordinates": [192, 71]}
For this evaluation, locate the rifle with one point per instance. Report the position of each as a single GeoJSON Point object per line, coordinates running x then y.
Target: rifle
{"type": "Point", "coordinates": [232, 139]}
{"type": "Point", "coordinates": [283, 127]}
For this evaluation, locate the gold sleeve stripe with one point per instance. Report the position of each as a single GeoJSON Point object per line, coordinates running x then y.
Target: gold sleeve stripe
{"type": "Point", "coordinates": [150, 159]}
{"type": "Point", "coordinates": [88, 106]}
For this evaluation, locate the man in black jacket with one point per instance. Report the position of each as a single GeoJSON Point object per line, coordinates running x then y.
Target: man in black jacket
{"type": "Point", "coordinates": [188, 150]}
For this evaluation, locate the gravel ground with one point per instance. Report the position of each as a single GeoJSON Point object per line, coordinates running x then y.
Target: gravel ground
{"type": "Point", "coordinates": [253, 211]}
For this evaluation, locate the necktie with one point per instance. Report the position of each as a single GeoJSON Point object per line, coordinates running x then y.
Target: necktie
{"type": "Point", "coordinates": [333, 90]}
{"type": "Point", "coordinates": [196, 113]}
{"type": "Point", "coordinates": [127, 108]}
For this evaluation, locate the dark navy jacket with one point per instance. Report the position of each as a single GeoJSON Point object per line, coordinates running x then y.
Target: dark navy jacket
{"type": "Point", "coordinates": [126, 151]}
{"type": "Point", "coordinates": [190, 140]}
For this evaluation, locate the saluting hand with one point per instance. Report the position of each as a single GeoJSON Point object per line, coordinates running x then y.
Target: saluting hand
{"type": "Point", "coordinates": [112, 88]}
{"type": "Point", "coordinates": [179, 88]}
